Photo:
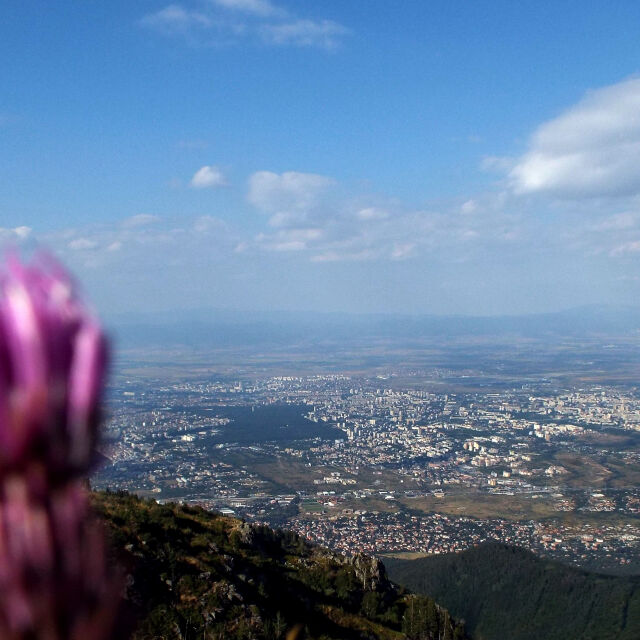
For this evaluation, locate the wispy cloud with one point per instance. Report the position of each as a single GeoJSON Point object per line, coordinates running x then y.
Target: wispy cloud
{"type": "Point", "coordinates": [138, 239]}
{"type": "Point", "coordinates": [262, 8]}
{"type": "Point", "coordinates": [591, 150]}
{"type": "Point", "coordinates": [616, 235]}
{"type": "Point", "coordinates": [287, 193]}
{"type": "Point", "coordinates": [82, 244]}
{"type": "Point", "coordinates": [316, 216]}
{"type": "Point", "coordinates": [176, 20]}
{"type": "Point", "coordinates": [223, 22]}
{"type": "Point", "coordinates": [619, 222]}
{"type": "Point", "coordinates": [140, 220]}
{"type": "Point", "coordinates": [626, 248]}
{"type": "Point", "coordinates": [305, 33]}
{"type": "Point", "coordinates": [144, 261]}
{"type": "Point", "coordinates": [15, 235]}
{"type": "Point", "coordinates": [208, 177]}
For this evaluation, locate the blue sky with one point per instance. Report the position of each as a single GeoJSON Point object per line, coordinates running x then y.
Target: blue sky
{"type": "Point", "coordinates": [420, 157]}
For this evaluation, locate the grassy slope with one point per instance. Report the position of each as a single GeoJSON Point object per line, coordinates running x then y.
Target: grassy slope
{"type": "Point", "coordinates": [194, 574]}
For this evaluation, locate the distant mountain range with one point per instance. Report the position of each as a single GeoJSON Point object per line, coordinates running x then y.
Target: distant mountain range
{"type": "Point", "coordinates": [506, 593]}
{"type": "Point", "coordinates": [213, 328]}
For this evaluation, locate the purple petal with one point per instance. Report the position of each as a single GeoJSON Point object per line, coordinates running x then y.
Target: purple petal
{"type": "Point", "coordinates": [85, 383]}
{"type": "Point", "coordinates": [24, 336]}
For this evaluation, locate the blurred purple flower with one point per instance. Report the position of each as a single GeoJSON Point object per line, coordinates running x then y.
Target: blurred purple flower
{"type": "Point", "coordinates": [52, 364]}
{"type": "Point", "coordinates": [55, 583]}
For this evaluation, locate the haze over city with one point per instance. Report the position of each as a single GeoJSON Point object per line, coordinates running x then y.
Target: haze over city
{"type": "Point", "coordinates": [421, 158]}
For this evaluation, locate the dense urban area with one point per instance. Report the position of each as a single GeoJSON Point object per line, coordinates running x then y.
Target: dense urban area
{"type": "Point", "coordinates": [389, 464]}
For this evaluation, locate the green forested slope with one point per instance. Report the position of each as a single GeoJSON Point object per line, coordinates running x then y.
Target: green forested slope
{"type": "Point", "coordinates": [192, 574]}
{"type": "Point", "coordinates": [505, 593]}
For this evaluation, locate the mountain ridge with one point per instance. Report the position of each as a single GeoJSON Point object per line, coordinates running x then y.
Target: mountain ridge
{"type": "Point", "coordinates": [193, 574]}
{"type": "Point", "coordinates": [508, 593]}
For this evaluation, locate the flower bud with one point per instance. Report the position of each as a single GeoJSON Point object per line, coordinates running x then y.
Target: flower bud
{"type": "Point", "coordinates": [52, 365]}
{"type": "Point", "coordinates": [55, 583]}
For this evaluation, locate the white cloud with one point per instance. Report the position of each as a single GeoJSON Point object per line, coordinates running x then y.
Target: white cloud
{"type": "Point", "coordinates": [404, 250]}
{"type": "Point", "coordinates": [176, 20]}
{"type": "Point", "coordinates": [136, 241]}
{"type": "Point", "coordinates": [371, 213]}
{"type": "Point", "coordinates": [591, 150]}
{"type": "Point", "coordinates": [345, 256]}
{"type": "Point", "coordinates": [16, 234]}
{"type": "Point", "coordinates": [618, 222]}
{"type": "Point", "coordinates": [500, 164]}
{"type": "Point", "coordinates": [284, 219]}
{"type": "Point", "coordinates": [325, 34]}
{"type": "Point", "coordinates": [288, 192]}
{"type": "Point", "coordinates": [626, 248]}
{"type": "Point", "coordinates": [468, 207]}
{"type": "Point", "coordinates": [316, 216]}
{"type": "Point", "coordinates": [290, 239]}
{"type": "Point", "coordinates": [224, 22]}
{"type": "Point", "coordinates": [208, 177]}
{"type": "Point", "coordinates": [206, 224]}
{"type": "Point", "coordinates": [22, 232]}
{"type": "Point", "coordinates": [140, 220]}
{"type": "Point", "coordinates": [254, 7]}
{"type": "Point", "coordinates": [241, 247]}
{"type": "Point", "coordinates": [82, 244]}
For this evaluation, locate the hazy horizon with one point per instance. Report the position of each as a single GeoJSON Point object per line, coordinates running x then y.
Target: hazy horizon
{"type": "Point", "coordinates": [210, 328]}
{"type": "Point", "coordinates": [423, 158]}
